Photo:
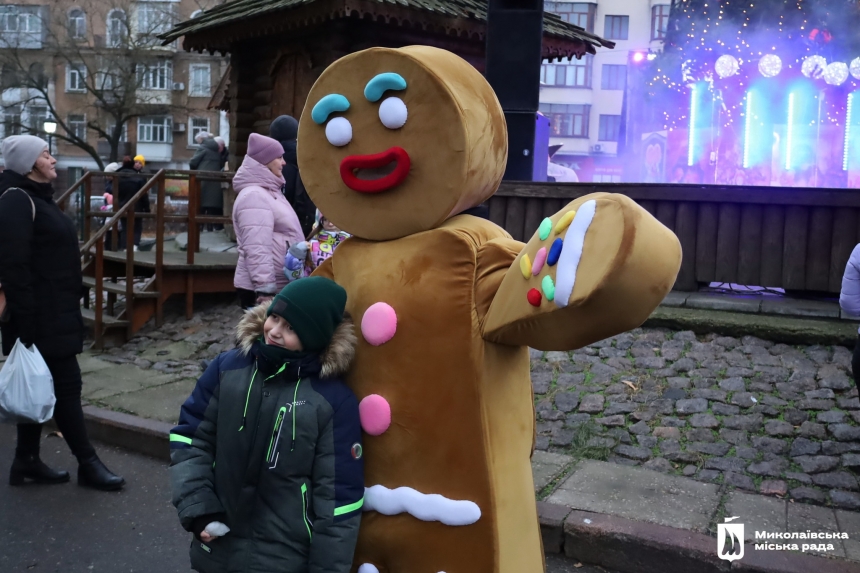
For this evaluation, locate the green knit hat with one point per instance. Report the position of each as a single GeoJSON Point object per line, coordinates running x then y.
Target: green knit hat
{"type": "Point", "coordinates": [314, 307]}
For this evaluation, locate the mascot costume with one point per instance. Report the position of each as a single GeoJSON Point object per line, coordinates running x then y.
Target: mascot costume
{"type": "Point", "coordinates": [394, 145]}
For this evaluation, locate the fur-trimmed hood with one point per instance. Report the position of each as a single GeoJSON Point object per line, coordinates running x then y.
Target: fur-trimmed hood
{"type": "Point", "coordinates": [334, 360]}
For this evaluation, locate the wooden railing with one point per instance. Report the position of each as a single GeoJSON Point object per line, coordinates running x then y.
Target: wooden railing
{"type": "Point", "coordinates": [790, 238]}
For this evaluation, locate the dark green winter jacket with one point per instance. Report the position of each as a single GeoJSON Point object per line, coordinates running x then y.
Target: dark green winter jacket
{"type": "Point", "coordinates": [276, 450]}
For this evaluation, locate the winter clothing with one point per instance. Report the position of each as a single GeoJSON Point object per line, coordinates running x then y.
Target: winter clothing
{"type": "Point", "coordinates": [264, 149]}
{"type": "Point", "coordinates": [274, 452]}
{"type": "Point", "coordinates": [31, 467]}
{"type": "Point", "coordinates": [264, 224]}
{"type": "Point", "coordinates": [140, 158]}
{"type": "Point", "coordinates": [20, 152]}
{"type": "Point", "coordinates": [40, 270]}
{"type": "Point", "coordinates": [128, 187]}
{"type": "Point", "coordinates": [208, 158]}
{"type": "Point", "coordinates": [304, 257]}
{"type": "Point", "coordinates": [285, 130]}
{"type": "Point", "coordinates": [313, 307]}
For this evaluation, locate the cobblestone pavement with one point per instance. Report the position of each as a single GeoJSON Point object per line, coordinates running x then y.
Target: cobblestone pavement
{"type": "Point", "coordinates": [776, 419]}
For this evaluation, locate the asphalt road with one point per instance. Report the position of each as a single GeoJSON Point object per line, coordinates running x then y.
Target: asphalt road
{"type": "Point", "coordinates": [69, 529]}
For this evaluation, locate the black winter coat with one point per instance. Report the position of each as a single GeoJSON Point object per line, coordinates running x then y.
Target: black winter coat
{"type": "Point", "coordinates": [284, 129]}
{"type": "Point", "coordinates": [40, 270]}
{"type": "Point", "coordinates": [128, 186]}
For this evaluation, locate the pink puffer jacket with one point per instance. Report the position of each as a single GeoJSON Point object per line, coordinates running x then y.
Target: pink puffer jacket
{"type": "Point", "coordinates": [264, 222]}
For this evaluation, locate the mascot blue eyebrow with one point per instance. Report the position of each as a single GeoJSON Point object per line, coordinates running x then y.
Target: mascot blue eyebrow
{"type": "Point", "coordinates": [381, 84]}
{"type": "Point", "coordinates": [332, 103]}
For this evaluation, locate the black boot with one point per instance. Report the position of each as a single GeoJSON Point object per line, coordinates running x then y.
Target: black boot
{"type": "Point", "coordinates": [93, 473]}
{"type": "Point", "coordinates": [33, 468]}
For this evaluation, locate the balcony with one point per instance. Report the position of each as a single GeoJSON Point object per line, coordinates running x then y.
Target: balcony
{"type": "Point", "coordinates": [154, 97]}
{"type": "Point", "coordinates": [103, 148]}
{"type": "Point", "coordinates": [156, 151]}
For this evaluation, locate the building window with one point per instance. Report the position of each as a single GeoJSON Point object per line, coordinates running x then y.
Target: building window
{"type": "Point", "coordinates": [123, 136]}
{"type": "Point", "coordinates": [154, 130]}
{"type": "Point", "coordinates": [77, 24]}
{"type": "Point", "coordinates": [157, 76]}
{"type": "Point", "coordinates": [613, 77]}
{"type": "Point", "coordinates": [154, 18]}
{"type": "Point", "coordinates": [198, 125]}
{"type": "Point", "coordinates": [19, 19]}
{"type": "Point", "coordinates": [201, 82]}
{"type": "Point", "coordinates": [567, 120]}
{"type": "Point", "coordinates": [37, 116]}
{"type": "Point", "coordinates": [12, 120]}
{"type": "Point", "coordinates": [105, 80]}
{"type": "Point", "coordinates": [609, 128]}
{"type": "Point", "coordinates": [117, 28]}
{"type": "Point", "coordinates": [77, 126]}
{"type": "Point", "coordinates": [659, 21]}
{"type": "Point", "coordinates": [577, 13]}
{"type": "Point", "coordinates": [615, 27]}
{"type": "Point", "coordinates": [76, 79]}
{"type": "Point", "coordinates": [569, 72]}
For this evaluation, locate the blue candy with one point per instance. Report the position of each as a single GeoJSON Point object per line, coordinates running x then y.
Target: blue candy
{"type": "Point", "coordinates": [554, 252]}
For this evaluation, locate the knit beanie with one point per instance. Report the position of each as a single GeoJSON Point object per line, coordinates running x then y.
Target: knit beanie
{"type": "Point", "coordinates": [264, 149]}
{"type": "Point", "coordinates": [314, 308]}
{"type": "Point", "coordinates": [20, 152]}
{"type": "Point", "coordinates": [140, 158]}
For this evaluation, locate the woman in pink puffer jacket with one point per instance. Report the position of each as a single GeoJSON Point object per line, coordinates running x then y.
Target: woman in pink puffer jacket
{"type": "Point", "coordinates": [265, 222]}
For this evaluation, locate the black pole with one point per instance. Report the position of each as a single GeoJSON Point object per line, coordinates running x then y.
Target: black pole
{"type": "Point", "coordinates": [513, 60]}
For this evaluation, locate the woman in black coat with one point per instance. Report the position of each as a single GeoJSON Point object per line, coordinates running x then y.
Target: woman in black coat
{"type": "Point", "coordinates": [40, 273]}
{"type": "Point", "coordinates": [128, 187]}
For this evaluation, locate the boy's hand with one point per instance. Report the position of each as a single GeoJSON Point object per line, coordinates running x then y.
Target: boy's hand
{"type": "Point", "coordinates": [205, 537]}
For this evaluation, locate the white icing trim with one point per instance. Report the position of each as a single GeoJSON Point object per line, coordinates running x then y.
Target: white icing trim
{"type": "Point", "coordinates": [426, 507]}
{"type": "Point", "coordinates": [571, 252]}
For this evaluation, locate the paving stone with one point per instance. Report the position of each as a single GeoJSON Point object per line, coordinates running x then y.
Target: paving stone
{"type": "Point", "coordinates": [851, 460]}
{"type": "Point", "coordinates": [617, 389]}
{"type": "Point", "coordinates": [641, 352]}
{"type": "Point", "coordinates": [855, 415]}
{"type": "Point", "coordinates": [844, 432]}
{"type": "Point", "coordinates": [601, 442]}
{"type": "Point", "coordinates": [724, 409]}
{"type": "Point", "coordinates": [760, 386]}
{"type": "Point", "coordinates": [669, 446]}
{"type": "Point", "coordinates": [848, 403]}
{"type": "Point", "coordinates": [553, 415]}
{"type": "Point", "coordinates": [773, 487]}
{"type": "Point", "coordinates": [817, 464]}
{"type": "Point", "coordinates": [769, 468]}
{"type": "Point", "coordinates": [706, 373]}
{"type": "Point", "coordinates": [703, 384]}
{"type": "Point", "coordinates": [566, 401]}
{"type": "Point", "coordinates": [710, 394]}
{"type": "Point", "coordinates": [703, 421]}
{"type": "Point", "coordinates": [643, 415]}
{"type": "Point", "coordinates": [816, 404]}
{"type": "Point", "coordinates": [812, 430]}
{"type": "Point", "coordinates": [750, 422]}
{"type": "Point", "coordinates": [796, 386]}
{"type": "Point", "coordinates": [555, 357]}
{"type": "Point", "coordinates": [659, 464]}
{"type": "Point", "coordinates": [674, 422]}
{"type": "Point", "coordinates": [830, 417]}
{"type": "Point", "coordinates": [577, 419]}
{"type": "Point", "coordinates": [778, 428]}
{"type": "Point", "coordinates": [744, 399]}
{"type": "Point", "coordinates": [795, 417]}
{"type": "Point", "coordinates": [541, 382]}
{"type": "Point", "coordinates": [685, 365]}
{"type": "Point", "coordinates": [653, 362]}
{"type": "Point", "coordinates": [562, 438]}
{"type": "Point", "coordinates": [711, 449]}
{"type": "Point", "coordinates": [799, 476]}
{"type": "Point", "coordinates": [667, 432]}
{"type": "Point", "coordinates": [742, 371]}
{"type": "Point", "coordinates": [771, 445]}
{"type": "Point", "coordinates": [700, 435]}
{"type": "Point", "coordinates": [837, 382]}
{"type": "Point", "coordinates": [592, 403]}
{"type": "Point", "coordinates": [633, 452]}
{"type": "Point", "coordinates": [690, 406]}
{"type": "Point", "coordinates": [836, 480]}
{"type": "Point", "coordinates": [647, 442]}
{"type": "Point", "coordinates": [822, 394]}
{"type": "Point", "coordinates": [674, 394]}
{"type": "Point", "coordinates": [689, 470]}
{"type": "Point", "coordinates": [736, 437]}
{"type": "Point", "coordinates": [621, 435]}
{"type": "Point", "coordinates": [807, 494]}
{"type": "Point", "coordinates": [662, 406]}
{"type": "Point", "coordinates": [746, 452]}
{"type": "Point", "coordinates": [708, 475]}
{"type": "Point", "coordinates": [739, 480]}
{"type": "Point", "coordinates": [804, 447]}
{"type": "Point", "coordinates": [831, 448]}
{"type": "Point", "coordinates": [671, 353]}
{"type": "Point", "coordinates": [729, 464]}
{"type": "Point", "coordinates": [566, 380]}
{"type": "Point", "coordinates": [845, 499]}
{"type": "Point", "coordinates": [620, 408]}
{"type": "Point", "coordinates": [735, 384]}
{"type": "Point", "coordinates": [680, 382]}
{"type": "Point", "coordinates": [616, 420]}
{"type": "Point", "coordinates": [640, 428]}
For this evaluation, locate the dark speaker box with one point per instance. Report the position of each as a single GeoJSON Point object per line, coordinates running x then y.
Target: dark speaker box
{"type": "Point", "coordinates": [513, 61]}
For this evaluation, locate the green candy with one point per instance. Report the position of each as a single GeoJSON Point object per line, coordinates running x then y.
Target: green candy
{"type": "Point", "coordinates": [548, 287]}
{"type": "Point", "coordinates": [545, 229]}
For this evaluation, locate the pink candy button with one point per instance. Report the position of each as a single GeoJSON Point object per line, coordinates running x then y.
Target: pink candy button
{"type": "Point", "coordinates": [540, 259]}
{"type": "Point", "coordinates": [379, 323]}
{"type": "Point", "coordinates": [375, 414]}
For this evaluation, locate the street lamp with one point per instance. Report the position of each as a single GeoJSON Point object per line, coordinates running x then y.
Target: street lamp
{"type": "Point", "coordinates": [50, 127]}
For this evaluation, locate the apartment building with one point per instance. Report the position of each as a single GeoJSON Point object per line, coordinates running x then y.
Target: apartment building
{"type": "Point", "coordinates": [80, 64]}
{"type": "Point", "coordinates": [584, 98]}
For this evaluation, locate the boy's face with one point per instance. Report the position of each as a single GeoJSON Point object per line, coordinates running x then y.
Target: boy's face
{"type": "Point", "coordinates": [277, 332]}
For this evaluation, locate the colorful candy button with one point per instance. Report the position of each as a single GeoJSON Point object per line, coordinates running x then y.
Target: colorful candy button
{"type": "Point", "coordinates": [545, 229]}
{"type": "Point", "coordinates": [548, 287]}
{"type": "Point", "coordinates": [526, 266]}
{"type": "Point", "coordinates": [379, 323]}
{"type": "Point", "coordinates": [534, 297]}
{"type": "Point", "coordinates": [555, 252]}
{"type": "Point", "coordinates": [564, 222]}
{"type": "Point", "coordinates": [375, 414]}
{"type": "Point", "coordinates": [540, 259]}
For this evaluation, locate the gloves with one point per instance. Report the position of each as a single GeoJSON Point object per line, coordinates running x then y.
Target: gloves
{"type": "Point", "coordinates": [300, 250]}
{"type": "Point", "coordinates": [201, 523]}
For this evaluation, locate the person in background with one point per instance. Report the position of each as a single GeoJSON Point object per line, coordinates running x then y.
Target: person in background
{"type": "Point", "coordinates": [40, 270]}
{"type": "Point", "coordinates": [285, 129]}
{"type": "Point", "coordinates": [303, 258]}
{"type": "Point", "coordinates": [849, 301]}
{"type": "Point", "coordinates": [208, 158]}
{"type": "Point", "coordinates": [264, 222]}
{"type": "Point", "coordinates": [225, 153]}
{"type": "Point", "coordinates": [128, 188]}
{"type": "Point", "coordinates": [139, 163]}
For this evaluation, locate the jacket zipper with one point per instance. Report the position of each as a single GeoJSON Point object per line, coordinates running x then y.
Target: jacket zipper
{"type": "Point", "coordinates": [247, 398]}
{"type": "Point", "coordinates": [307, 520]}
{"type": "Point", "coordinates": [276, 436]}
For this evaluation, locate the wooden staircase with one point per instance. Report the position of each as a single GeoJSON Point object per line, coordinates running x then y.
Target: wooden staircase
{"type": "Point", "coordinates": [130, 287]}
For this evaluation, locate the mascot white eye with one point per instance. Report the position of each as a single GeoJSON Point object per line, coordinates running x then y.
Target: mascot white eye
{"type": "Point", "coordinates": [393, 113]}
{"type": "Point", "coordinates": [338, 131]}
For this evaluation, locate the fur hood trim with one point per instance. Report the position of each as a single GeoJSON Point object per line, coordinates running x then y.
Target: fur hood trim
{"type": "Point", "coordinates": [334, 360]}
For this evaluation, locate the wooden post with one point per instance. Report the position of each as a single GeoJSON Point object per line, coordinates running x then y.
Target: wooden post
{"type": "Point", "coordinates": [129, 268]}
{"type": "Point", "coordinates": [159, 250]}
{"type": "Point", "coordinates": [85, 204]}
{"type": "Point", "coordinates": [98, 327]}
{"type": "Point", "coordinates": [193, 228]}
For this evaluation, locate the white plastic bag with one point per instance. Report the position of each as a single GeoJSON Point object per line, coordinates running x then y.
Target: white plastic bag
{"type": "Point", "coordinates": [26, 387]}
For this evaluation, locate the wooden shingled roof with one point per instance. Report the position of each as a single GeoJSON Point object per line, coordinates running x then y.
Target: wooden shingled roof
{"type": "Point", "coordinates": [219, 27]}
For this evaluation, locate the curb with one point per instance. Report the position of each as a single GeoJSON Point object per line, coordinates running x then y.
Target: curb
{"type": "Point", "coordinates": [148, 437]}
{"type": "Point", "coordinates": [640, 547]}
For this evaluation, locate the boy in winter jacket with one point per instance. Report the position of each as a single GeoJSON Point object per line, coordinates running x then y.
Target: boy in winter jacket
{"type": "Point", "coordinates": [266, 462]}
{"type": "Point", "coordinates": [302, 258]}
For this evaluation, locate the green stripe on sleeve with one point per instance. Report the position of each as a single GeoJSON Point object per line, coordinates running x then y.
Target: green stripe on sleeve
{"type": "Point", "coordinates": [349, 508]}
{"type": "Point", "coordinates": [178, 438]}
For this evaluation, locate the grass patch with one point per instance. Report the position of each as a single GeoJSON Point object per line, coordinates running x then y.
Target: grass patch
{"type": "Point", "coordinates": [579, 448]}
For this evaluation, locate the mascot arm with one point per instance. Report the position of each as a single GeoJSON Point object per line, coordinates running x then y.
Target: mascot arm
{"type": "Point", "coordinates": [596, 268]}
{"type": "Point", "coordinates": [494, 259]}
